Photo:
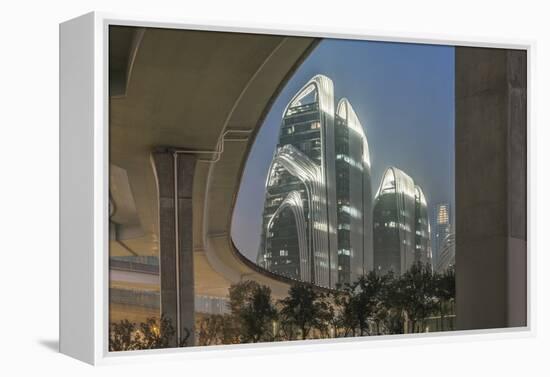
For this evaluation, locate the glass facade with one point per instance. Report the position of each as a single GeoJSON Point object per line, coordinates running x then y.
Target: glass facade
{"type": "Point", "coordinates": [401, 229]}
{"type": "Point", "coordinates": [354, 195]}
{"type": "Point", "coordinates": [423, 250]}
{"type": "Point", "coordinates": [316, 220]}
{"type": "Point", "coordinates": [442, 225]}
{"type": "Point", "coordinates": [447, 252]}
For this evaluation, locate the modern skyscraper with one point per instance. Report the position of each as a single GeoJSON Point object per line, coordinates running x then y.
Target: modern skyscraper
{"type": "Point", "coordinates": [354, 195]}
{"type": "Point", "coordinates": [447, 252]}
{"type": "Point", "coordinates": [422, 247]}
{"type": "Point", "coordinates": [401, 225]}
{"type": "Point", "coordinates": [316, 220]}
{"type": "Point", "coordinates": [442, 226]}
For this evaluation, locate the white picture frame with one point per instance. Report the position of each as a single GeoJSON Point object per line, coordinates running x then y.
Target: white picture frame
{"type": "Point", "coordinates": [84, 190]}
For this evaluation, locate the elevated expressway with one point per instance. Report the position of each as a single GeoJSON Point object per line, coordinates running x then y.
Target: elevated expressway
{"type": "Point", "coordinates": [200, 96]}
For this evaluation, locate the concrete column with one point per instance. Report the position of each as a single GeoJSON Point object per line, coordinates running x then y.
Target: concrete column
{"type": "Point", "coordinates": [491, 182]}
{"type": "Point", "coordinates": [176, 241]}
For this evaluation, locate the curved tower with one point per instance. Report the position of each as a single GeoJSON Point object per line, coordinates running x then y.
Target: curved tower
{"type": "Point", "coordinates": [303, 168]}
{"type": "Point", "coordinates": [394, 222]}
{"type": "Point", "coordinates": [446, 258]}
{"type": "Point", "coordinates": [317, 215]}
{"type": "Point", "coordinates": [422, 228]}
{"type": "Point", "coordinates": [354, 195]}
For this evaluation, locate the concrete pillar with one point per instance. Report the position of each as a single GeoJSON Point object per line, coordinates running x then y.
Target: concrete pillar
{"type": "Point", "coordinates": [176, 241]}
{"type": "Point", "coordinates": [491, 182]}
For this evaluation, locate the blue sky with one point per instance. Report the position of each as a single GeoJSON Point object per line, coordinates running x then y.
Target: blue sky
{"type": "Point", "coordinates": [403, 95]}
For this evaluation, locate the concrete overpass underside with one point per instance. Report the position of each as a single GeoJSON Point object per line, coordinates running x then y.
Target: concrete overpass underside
{"type": "Point", "coordinates": [205, 95]}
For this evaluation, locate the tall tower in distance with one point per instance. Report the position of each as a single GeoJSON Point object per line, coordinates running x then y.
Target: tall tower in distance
{"type": "Point", "coordinates": [316, 221]}
{"type": "Point", "coordinates": [442, 227]}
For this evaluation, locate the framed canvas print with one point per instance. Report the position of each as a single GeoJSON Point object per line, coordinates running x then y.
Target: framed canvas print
{"type": "Point", "coordinates": [229, 188]}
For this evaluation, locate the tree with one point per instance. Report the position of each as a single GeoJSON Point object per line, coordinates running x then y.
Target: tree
{"type": "Point", "coordinates": [121, 336]}
{"type": "Point", "coordinates": [331, 321]}
{"type": "Point", "coordinates": [253, 310]}
{"type": "Point", "coordinates": [241, 293]}
{"type": "Point", "coordinates": [392, 300]}
{"type": "Point", "coordinates": [304, 309]}
{"type": "Point", "coordinates": [151, 334]}
{"type": "Point", "coordinates": [445, 292]}
{"type": "Point", "coordinates": [216, 329]}
{"type": "Point", "coordinates": [361, 305]}
{"type": "Point", "coordinates": [416, 289]}
{"type": "Point", "coordinates": [258, 315]}
{"type": "Point", "coordinates": [384, 309]}
{"type": "Point", "coordinates": [345, 318]}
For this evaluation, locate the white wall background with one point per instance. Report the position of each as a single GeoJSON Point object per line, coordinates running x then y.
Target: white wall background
{"type": "Point", "coordinates": [29, 185]}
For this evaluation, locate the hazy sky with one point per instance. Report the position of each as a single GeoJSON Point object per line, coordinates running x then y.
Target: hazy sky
{"type": "Point", "coordinates": [403, 95]}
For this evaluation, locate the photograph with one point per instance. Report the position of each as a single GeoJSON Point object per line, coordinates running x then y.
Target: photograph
{"type": "Point", "coordinates": [267, 188]}
{"type": "Point", "coordinates": [239, 188]}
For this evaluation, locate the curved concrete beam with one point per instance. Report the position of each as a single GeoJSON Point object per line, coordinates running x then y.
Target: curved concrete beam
{"type": "Point", "coordinates": [188, 89]}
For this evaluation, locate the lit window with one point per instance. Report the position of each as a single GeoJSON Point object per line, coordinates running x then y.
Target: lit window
{"type": "Point", "coordinates": [345, 209]}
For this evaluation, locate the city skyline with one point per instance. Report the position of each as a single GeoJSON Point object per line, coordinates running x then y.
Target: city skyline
{"type": "Point", "coordinates": [416, 135]}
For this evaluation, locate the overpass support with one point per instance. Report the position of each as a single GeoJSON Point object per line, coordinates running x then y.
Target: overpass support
{"type": "Point", "coordinates": [175, 186]}
{"type": "Point", "coordinates": [491, 183]}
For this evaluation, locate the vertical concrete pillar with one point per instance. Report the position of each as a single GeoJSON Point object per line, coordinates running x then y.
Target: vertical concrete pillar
{"type": "Point", "coordinates": [491, 181]}
{"type": "Point", "coordinates": [175, 186]}
{"type": "Point", "coordinates": [185, 172]}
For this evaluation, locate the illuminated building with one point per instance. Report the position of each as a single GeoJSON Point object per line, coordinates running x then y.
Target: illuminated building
{"type": "Point", "coordinates": [354, 195]}
{"type": "Point", "coordinates": [316, 221]}
{"type": "Point", "coordinates": [442, 226]}
{"type": "Point", "coordinates": [401, 229]}
{"type": "Point", "coordinates": [423, 250]}
{"type": "Point", "coordinates": [446, 256]}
